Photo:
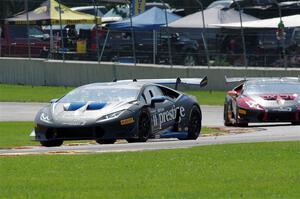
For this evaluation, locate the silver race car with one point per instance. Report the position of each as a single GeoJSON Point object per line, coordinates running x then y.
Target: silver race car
{"type": "Point", "coordinates": [128, 109]}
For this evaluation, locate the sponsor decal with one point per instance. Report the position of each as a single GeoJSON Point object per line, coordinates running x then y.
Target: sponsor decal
{"type": "Point", "coordinates": [76, 122]}
{"type": "Point", "coordinates": [44, 117]}
{"type": "Point", "coordinates": [283, 109]}
{"type": "Point", "coordinates": [280, 101]}
{"type": "Point", "coordinates": [166, 116]}
{"type": "Point", "coordinates": [127, 121]}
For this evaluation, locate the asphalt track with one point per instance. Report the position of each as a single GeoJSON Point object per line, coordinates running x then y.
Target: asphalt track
{"type": "Point", "coordinates": [212, 116]}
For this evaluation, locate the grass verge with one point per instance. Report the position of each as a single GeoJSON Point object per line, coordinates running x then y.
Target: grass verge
{"type": "Point", "coordinates": [15, 134]}
{"type": "Point", "coordinates": [18, 93]}
{"type": "Point", "coordinates": [259, 170]}
{"type": "Point", "coordinates": [209, 97]}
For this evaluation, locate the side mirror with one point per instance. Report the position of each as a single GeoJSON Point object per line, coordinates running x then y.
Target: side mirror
{"type": "Point", "coordinates": [232, 93]}
{"type": "Point", "coordinates": [53, 101]}
{"type": "Point", "coordinates": [155, 100]}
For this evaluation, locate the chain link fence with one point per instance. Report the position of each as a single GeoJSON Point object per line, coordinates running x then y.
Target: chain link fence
{"type": "Point", "coordinates": [203, 46]}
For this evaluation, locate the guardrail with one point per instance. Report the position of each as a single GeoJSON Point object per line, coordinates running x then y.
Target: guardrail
{"type": "Point", "coordinates": [75, 73]}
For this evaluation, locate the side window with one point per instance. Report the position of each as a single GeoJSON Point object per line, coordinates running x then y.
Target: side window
{"type": "Point", "coordinates": [150, 92]}
{"type": "Point", "coordinates": [169, 93]}
{"type": "Point", "coordinates": [156, 91]}
{"type": "Point", "coordinates": [239, 89]}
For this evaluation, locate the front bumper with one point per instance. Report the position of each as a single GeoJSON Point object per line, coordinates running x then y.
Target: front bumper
{"type": "Point", "coordinates": [268, 115]}
{"type": "Point", "coordinates": [104, 130]}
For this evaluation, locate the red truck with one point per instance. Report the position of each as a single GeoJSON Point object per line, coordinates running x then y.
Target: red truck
{"type": "Point", "coordinates": [14, 41]}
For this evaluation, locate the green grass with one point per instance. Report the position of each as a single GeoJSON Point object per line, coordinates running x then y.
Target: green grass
{"type": "Point", "coordinates": [209, 97]}
{"type": "Point", "coordinates": [14, 134]}
{"type": "Point", "coordinates": [260, 170]}
{"type": "Point", "coordinates": [18, 93]}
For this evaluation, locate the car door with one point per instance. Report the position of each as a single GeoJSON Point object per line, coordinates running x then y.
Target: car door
{"type": "Point", "coordinates": [163, 114]}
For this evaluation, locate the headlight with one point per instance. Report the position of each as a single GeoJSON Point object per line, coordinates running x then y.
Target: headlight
{"type": "Point", "coordinates": [45, 117]}
{"type": "Point", "coordinates": [111, 115]}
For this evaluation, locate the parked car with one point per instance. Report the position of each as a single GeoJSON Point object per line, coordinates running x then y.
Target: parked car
{"type": "Point", "coordinates": [262, 99]}
{"type": "Point", "coordinates": [184, 51]}
{"type": "Point", "coordinates": [134, 110]}
{"type": "Point", "coordinates": [14, 41]}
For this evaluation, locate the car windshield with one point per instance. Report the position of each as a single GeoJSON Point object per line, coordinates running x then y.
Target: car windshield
{"type": "Point", "coordinates": [273, 88]}
{"type": "Point", "coordinates": [20, 31]}
{"type": "Point", "coordinates": [101, 94]}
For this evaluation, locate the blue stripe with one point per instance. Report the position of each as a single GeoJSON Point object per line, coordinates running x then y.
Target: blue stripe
{"type": "Point", "coordinates": [76, 105]}
{"type": "Point", "coordinates": [96, 106]}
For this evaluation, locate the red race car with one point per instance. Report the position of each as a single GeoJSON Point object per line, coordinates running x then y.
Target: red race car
{"type": "Point", "coordinates": [262, 100]}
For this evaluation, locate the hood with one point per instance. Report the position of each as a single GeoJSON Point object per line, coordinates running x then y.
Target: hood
{"type": "Point", "coordinates": [90, 112]}
{"type": "Point", "coordinates": [273, 100]}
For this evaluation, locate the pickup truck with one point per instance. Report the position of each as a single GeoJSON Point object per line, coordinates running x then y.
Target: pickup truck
{"type": "Point", "coordinates": [14, 41]}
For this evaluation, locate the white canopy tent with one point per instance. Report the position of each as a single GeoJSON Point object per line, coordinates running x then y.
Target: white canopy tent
{"type": "Point", "coordinates": [288, 21]}
{"type": "Point", "coordinates": [215, 15]}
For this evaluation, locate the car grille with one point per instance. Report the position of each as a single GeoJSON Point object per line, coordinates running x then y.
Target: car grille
{"type": "Point", "coordinates": [75, 133]}
{"type": "Point", "coordinates": [281, 116]}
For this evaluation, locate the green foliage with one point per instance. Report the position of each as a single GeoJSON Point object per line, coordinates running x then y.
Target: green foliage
{"type": "Point", "coordinates": [260, 170]}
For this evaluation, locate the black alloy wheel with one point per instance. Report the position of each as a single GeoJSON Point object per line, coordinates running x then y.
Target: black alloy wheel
{"type": "Point", "coordinates": [194, 123]}
{"type": "Point", "coordinates": [144, 126]}
{"type": "Point", "coordinates": [227, 119]}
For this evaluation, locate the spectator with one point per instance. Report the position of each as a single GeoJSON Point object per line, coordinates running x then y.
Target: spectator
{"type": "Point", "coordinates": [72, 36]}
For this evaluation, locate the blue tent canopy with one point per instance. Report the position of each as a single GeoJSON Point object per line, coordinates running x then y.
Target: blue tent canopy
{"type": "Point", "coordinates": [151, 19]}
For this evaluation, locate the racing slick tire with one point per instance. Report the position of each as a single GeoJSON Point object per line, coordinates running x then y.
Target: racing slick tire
{"type": "Point", "coordinates": [239, 123]}
{"type": "Point", "coordinates": [110, 141]}
{"type": "Point", "coordinates": [52, 143]}
{"type": "Point", "coordinates": [194, 123]}
{"type": "Point", "coordinates": [227, 121]}
{"type": "Point", "coordinates": [143, 127]}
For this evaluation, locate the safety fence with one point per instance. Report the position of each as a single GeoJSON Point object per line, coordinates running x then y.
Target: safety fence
{"type": "Point", "coordinates": [202, 46]}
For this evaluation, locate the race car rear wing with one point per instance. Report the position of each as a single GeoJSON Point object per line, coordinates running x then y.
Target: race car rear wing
{"type": "Point", "coordinates": [243, 79]}
{"type": "Point", "coordinates": [202, 82]}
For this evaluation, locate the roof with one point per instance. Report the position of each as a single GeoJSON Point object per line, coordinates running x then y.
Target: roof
{"type": "Point", "coordinates": [116, 84]}
{"type": "Point", "coordinates": [273, 80]}
{"type": "Point", "coordinates": [288, 21]}
{"type": "Point", "coordinates": [151, 19]}
{"type": "Point", "coordinates": [48, 13]}
{"type": "Point", "coordinates": [262, 79]}
{"type": "Point", "coordinates": [214, 15]}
